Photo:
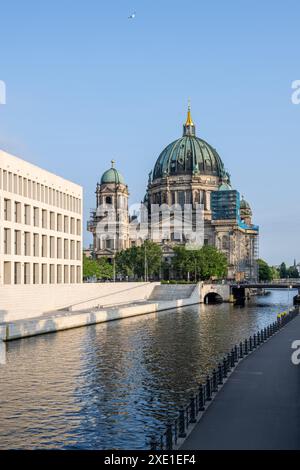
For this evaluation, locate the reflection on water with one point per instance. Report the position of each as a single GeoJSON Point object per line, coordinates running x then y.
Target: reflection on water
{"type": "Point", "coordinates": [111, 385]}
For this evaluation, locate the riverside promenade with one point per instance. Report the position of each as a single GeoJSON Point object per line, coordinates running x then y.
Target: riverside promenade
{"type": "Point", "coordinates": [259, 406]}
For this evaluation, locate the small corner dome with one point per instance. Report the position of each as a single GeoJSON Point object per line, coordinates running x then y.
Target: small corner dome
{"type": "Point", "coordinates": [244, 204]}
{"type": "Point", "coordinates": [112, 176]}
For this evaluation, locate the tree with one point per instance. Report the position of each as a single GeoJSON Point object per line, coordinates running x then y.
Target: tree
{"type": "Point", "coordinates": [264, 271]}
{"type": "Point", "coordinates": [275, 273]}
{"type": "Point", "coordinates": [106, 270]}
{"type": "Point", "coordinates": [205, 263]}
{"type": "Point", "coordinates": [90, 268]}
{"type": "Point", "coordinates": [131, 262]}
{"type": "Point", "coordinates": [212, 263]}
{"type": "Point", "coordinates": [283, 271]}
{"type": "Point", "coordinates": [101, 269]}
{"type": "Point", "coordinates": [292, 272]}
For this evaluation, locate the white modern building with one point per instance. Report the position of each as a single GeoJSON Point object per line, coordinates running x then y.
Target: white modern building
{"type": "Point", "coordinates": [40, 225]}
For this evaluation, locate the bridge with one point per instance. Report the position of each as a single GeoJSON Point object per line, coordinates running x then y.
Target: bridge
{"type": "Point", "coordinates": [216, 292]}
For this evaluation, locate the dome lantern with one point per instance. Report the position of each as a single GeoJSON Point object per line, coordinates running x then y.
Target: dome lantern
{"type": "Point", "coordinates": [189, 128]}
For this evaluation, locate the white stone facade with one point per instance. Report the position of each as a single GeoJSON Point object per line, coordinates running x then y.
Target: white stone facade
{"type": "Point", "coordinates": [40, 225]}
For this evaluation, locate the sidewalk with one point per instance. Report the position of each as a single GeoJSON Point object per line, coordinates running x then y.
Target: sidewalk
{"type": "Point", "coordinates": [259, 406]}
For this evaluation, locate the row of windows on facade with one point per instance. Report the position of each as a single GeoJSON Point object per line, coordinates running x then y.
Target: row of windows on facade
{"type": "Point", "coordinates": [49, 220]}
{"type": "Point", "coordinates": [27, 188]}
{"type": "Point", "coordinates": [121, 201]}
{"type": "Point", "coordinates": [34, 273]}
{"type": "Point", "coordinates": [35, 244]}
{"type": "Point", "coordinates": [181, 197]}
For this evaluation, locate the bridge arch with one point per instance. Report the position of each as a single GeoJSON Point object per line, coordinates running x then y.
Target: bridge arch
{"type": "Point", "coordinates": [213, 298]}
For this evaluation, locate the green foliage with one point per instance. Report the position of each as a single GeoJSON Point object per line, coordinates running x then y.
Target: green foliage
{"type": "Point", "coordinates": [283, 273]}
{"type": "Point", "coordinates": [204, 263]}
{"type": "Point", "coordinates": [275, 273]}
{"type": "Point", "coordinates": [264, 271]}
{"type": "Point", "coordinates": [292, 272]}
{"type": "Point", "coordinates": [131, 262]}
{"type": "Point", "coordinates": [101, 269]}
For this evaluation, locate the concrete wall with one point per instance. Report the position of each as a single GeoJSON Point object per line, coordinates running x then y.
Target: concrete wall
{"type": "Point", "coordinates": [25, 301]}
{"type": "Point", "coordinates": [66, 320]}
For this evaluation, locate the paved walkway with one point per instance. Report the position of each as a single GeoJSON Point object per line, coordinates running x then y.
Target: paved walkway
{"type": "Point", "coordinates": [259, 406]}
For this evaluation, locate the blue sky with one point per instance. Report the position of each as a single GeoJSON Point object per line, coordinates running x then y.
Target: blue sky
{"type": "Point", "coordinates": [85, 85]}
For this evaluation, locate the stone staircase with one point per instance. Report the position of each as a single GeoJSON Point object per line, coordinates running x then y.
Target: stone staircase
{"type": "Point", "coordinates": [172, 292]}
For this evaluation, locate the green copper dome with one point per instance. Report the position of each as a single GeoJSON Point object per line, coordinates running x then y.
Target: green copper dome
{"type": "Point", "coordinates": [244, 204]}
{"type": "Point", "coordinates": [112, 176]}
{"type": "Point", "coordinates": [188, 155]}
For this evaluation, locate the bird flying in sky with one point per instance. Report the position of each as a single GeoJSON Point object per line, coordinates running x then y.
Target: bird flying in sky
{"type": "Point", "coordinates": [132, 16]}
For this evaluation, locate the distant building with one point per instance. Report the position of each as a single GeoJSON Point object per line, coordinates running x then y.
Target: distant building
{"type": "Point", "coordinates": [41, 225]}
{"type": "Point", "coordinates": [188, 171]}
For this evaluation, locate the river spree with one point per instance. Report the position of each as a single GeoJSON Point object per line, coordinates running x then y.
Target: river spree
{"type": "Point", "coordinates": [111, 386]}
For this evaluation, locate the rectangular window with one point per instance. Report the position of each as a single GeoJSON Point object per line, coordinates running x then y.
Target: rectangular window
{"type": "Point", "coordinates": [44, 218]}
{"type": "Point", "coordinates": [36, 279]}
{"type": "Point", "coordinates": [44, 274]}
{"type": "Point", "coordinates": [52, 221]}
{"type": "Point", "coordinates": [7, 272]}
{"type": "Point", "coordinates": [59, 274]}
{"type": "Point", "coordinates": [78, 222]}
{"type": "Point", "coordinates": [17, 273]}
{"type": "Point", "coordinates": [17, 242]}
{"type": "Point", "coordinates": [26, 273]}
{"type": "Point", "coordinates": [78, 279]}
{"type": "Point", "coordinates": [18, 212]}
{"type": "Point", "coordinates": [66, 249]}
{"type": "Point", "coordinates": [66, 224]}
{"type": "Point", "coordinates": [59, 248]}
{"type": "Point", "coordinates": [7, 209]}
{"type": "Point", "coordinates": [66, 274]}
{"type": "Point", "coordinates": [27, 243]}
{"type": "Point", "coordinates": [7, 241]}
{"type": "Point", "coordinates": [44, 246]}
{"type": "Point", "coordinates": [36, 216]}
{"type": "Point", "coordinates": [52, 247]}
{"type": "Point", "coordinates": [36, 244]}
{"type": "Point", "coordinates": [59, 222]}
{"type": "Point", "coordinates": [72, 249]}
{"type": "Point", "coordinates": [27, 214]}
{"type": "Point", "coordinates": [52, 274]}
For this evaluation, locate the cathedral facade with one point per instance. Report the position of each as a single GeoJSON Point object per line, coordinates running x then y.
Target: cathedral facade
{"type": "Point", "coordinates": [188, 173]}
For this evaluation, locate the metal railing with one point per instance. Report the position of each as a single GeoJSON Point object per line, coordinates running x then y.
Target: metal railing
{"type": "Point", "coordinates": [190, 413]}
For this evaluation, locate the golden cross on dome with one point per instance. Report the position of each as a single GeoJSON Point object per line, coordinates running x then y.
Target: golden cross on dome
{"type": "Point", "coordinates": [189, 121]}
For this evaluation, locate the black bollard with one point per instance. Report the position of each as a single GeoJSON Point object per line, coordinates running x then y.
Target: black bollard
{"type": "Point", "coordinates": [228, 362]}
{"type": "Point", "coordinates": [224, 367]}
{"type": "Point", "coordinates": [220, 374]}
{"type": "Point", "coordinates": [208, 389]}
{"type": "Point", "coordinates": [236, 354]}
{"type": "Point", "coordinates": [232, 358]}
{"type": "Point", "coordinates": [250, 344]}
{"type": "Point", "coordinates": [201, 398]}
{"type": "Point", "coordinates": [192, 409]}
{"type": "Point", "coordinates": [169, 436]}
{"type": "Point", "coordinates": [241, 350]}
{"type": "Point", "coordinates": [215, 381]}
{"type": "Point", "coordinates": [254, 341]}
{"type": "Point", "coordinates": [182, 432]}
{"type": "Point", "coordinates": [258, 338]}
{"type": "Point", "coordinates": [246, 347]}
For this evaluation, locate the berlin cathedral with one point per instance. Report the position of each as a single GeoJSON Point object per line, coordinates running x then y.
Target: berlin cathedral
{"type": "Point", "coordinates": [188, 171]}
